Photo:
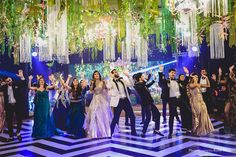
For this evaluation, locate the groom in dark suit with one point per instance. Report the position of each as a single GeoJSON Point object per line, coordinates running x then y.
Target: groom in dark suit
{"type": "Point", "coordinates": [174, 95]}
{"type": "Point", "coordinates": [12, 98]}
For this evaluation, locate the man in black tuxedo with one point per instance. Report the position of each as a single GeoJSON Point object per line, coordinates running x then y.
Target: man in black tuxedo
{"type": "Point", "coordinates": [174, 94]}
{"type": "Point", "coordinates": [185, 108]}
{"type": "Point", "coordinates": [165, 96]}
{"type": "Point", "coordinates": [12, 99]}
{"type": "Point", "coordinates": [147, 103]}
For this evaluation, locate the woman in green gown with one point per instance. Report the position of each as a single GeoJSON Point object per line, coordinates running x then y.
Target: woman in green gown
{"type": "Point", "coordinates": [43, 123]}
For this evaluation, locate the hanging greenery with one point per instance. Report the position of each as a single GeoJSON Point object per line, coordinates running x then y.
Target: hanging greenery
{"type": "Point", "coordinates": [167, 28]}
{"type": "Point", "coordinates": [232, 30]}
{"type": "Point", "coordinates": [154, 16]}
{"type": "Point", "coordinates": [17, 17]}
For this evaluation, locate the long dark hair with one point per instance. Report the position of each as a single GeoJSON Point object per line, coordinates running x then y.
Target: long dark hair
{"type": "Point", "coordinates": [100, 78]}
{"type": "Point", "coordinates": [38, 84]}
{"type": "Point", "coordinates": [180, 76]}
{"type": "Point", "coordinates": [76, 92]}
{"type": "Point", "coordinates": [191, 80]}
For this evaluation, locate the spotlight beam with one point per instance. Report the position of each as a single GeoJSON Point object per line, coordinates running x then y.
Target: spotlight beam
{"type": "Point", "coordinates": [8, 74]}
{"type": "Point", "coordinates": [153, 67]}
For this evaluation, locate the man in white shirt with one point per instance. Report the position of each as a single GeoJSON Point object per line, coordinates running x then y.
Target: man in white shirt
{"type": "Point", "coordinates": [205, 93]}
{"type": "Point", "coordinates": [120, 99]}
{"type": "Point", "coordinates": [174, 94]}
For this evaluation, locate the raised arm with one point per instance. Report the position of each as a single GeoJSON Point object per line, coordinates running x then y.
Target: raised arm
{"type": "Point", "coordinates": [186, 75]}
{"type": "Point", "coordinates": [109, 82]}
{"type": "Point", "coordinates": [68, 81]}
{"type": "Point", "coordinates": [92, 82]}
{"type": "Point", "coordinates": [22, 82]}
{"type": "Point", "coordinates": [232, 74]}
{"type": "Point", "coordinates": [29, 83]}
{"type": "Point", "coordinates": [151, 83]}
{"type": "Point", "coordinates": [129, 82]}
{"type": "Point", "coordinates": [53, 85]}
{"type": "Point", "coordinates": [162, 80]}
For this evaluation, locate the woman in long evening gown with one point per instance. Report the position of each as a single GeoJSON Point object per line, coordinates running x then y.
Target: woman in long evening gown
{"type": "Point", "coordinates": [201, 121]}
{"type": "Point", "coordinates": [76, 113]}
{"type": "Point", "coordinates": [61, 108]}
{"type": "Point", "coordinates": [43, 123]}
{"type": "Point", "coordinates": [231, 114]}
{"type": "Point", "coordinates": [99, 115]}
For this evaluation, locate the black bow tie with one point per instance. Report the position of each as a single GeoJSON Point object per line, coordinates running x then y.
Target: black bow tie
{"type": "Point", "coordinates": [117, 80]}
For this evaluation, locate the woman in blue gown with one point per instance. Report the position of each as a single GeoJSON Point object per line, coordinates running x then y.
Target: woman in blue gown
{"type": "Point", "coordinates": [60, 110]}
{"type": "Point", "coordinates": [43, 123]}
{"type": "Point", "coordinates": [76, 110]}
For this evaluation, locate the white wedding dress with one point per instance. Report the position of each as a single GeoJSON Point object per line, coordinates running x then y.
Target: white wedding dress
{"type": "Point", "coordinates": [99, 115]}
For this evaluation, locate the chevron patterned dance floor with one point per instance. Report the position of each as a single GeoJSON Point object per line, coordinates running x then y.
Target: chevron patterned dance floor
{"type": "Point", "coordinates": [122, 144]}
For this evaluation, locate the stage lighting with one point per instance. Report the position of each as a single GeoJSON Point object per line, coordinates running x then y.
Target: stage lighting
{"type": "Point", "coordinates": [194, 49]}
{"type": "Point", "coordinates": [34, 54]}
{"type": "Point", "coordinates": [153, 67]}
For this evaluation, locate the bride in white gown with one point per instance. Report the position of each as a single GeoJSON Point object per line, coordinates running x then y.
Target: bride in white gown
{"type": "Point", "coordinates": [99, 115]}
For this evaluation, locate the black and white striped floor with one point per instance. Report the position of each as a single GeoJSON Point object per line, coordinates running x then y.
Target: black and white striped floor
{"type": "Point", "coordinates": [122, 144]}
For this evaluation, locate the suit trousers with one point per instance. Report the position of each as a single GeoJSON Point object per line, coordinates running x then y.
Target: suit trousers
{"type": "Point", "coordinates": [124, 104]}
{"type": "Point", "coordinates": [164, 103]}
{"type": "Point", "coordinates": [156, 116]}
{"type": "Point", "coordinates": [173, 103]}
{"type": "Point", "coordinates": [10, 110]}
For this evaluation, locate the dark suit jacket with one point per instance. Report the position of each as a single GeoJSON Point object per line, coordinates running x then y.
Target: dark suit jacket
{"type": "Point", "coordinates": [163, 83]}
{"type": "Point", "coordinates": [17, 91]}
{"type": "Point", "coordinates": [183, 88]}
{"type": "Point", "coordinates": [144, 93]}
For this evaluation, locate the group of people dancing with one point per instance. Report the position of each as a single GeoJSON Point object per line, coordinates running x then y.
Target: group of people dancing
{"type": "Point", "coordinates": [110, 98]}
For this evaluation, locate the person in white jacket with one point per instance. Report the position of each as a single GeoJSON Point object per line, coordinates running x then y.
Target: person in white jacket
{"type": "Point", "coordinates": [120, 100]}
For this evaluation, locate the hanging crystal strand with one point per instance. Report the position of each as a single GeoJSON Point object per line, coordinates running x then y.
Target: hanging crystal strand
{"type": "Point", "coordinates": [113, 52]}
{"type": "Point", "coordinates": [51, 25]}
{"type": "Point", "coordinates": [217, 50]}
{"type": "Point", "coordinates": [25, 48]}
{"type": "Point", "coordinates": [132, 47]}
{"type": "Point", "coordinates": [61, 38]}
{"type": "Point", "coordinates": [212, 8]}
{"type": "Point", "coordinates": [225, 7]}
{"type": "Point", "coordinates": [128, 40]}
{"type": "Point", "coordinates": [219, 7]}
{"type": "Point", "coordinates": [194, 27]}
{"type": "Point", "coordinates": [205, 6]}
{"type": "Point", "coordinates": [144, 52]}
{"type": "Point", "coordinates": [138, 50]}
{"type": "Point", "coordinates": [104, 49]}
{"type": "Point", "coordinates": [108, 47]}
{"type": "Point", "coordinates": [212, 44]}
{"type": "Point", "coordinates": [137, 44]}
{"type": "Point", "coordinates": [44, 55]}
{"type": "Point", "coordinates": [123, 52]}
